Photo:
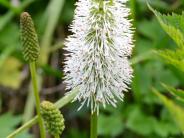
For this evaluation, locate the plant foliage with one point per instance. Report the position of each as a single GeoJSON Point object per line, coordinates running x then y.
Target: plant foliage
{"type": "Point", "coordinates": [174, 26]}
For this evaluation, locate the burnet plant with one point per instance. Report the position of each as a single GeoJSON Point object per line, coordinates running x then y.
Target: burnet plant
{"type": "Point", "coordinates": [47, 112]}
{"type": "Point", "coordinates": [31, 52]}
{"type": "Point", "coordinates": [97, 68]}
{"type": "Point", "coordinates": [97, 62]}
{"type": "Point", "coordinates": [98, 51]}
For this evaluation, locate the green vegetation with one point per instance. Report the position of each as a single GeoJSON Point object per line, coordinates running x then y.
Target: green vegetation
{"type": "Point", "coordinates": [154, 107]}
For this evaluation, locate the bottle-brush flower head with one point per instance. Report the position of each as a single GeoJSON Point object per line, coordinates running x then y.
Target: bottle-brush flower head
{"type": "Point", "coordinates": [98, 51]}
{"type": "Point", "coordinates": [29, 39]}
{"type": "Point", "coordinates": [52, 117]}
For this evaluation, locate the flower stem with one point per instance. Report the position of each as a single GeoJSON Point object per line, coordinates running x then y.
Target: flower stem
{"type": "Point", "coordinates": [25, 126]}
{"type": "Point", "coordinates": [93, 128]}
{"type": "Point", "coordinates": [37, 98]}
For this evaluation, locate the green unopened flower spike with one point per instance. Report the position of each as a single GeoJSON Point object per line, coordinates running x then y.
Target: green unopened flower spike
{"type": "Point", "coordinates": [53, 119]}
{"type": "Point", "coordinates": [30, 44]}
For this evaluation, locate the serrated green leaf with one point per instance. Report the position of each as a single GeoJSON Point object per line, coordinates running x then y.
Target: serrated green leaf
{"type": "Point", "coordinates": [173, 24]}
{"type": "Point", "coordinates": [176, 111]}
{"type": "Point", "coordinates": [174, 58]}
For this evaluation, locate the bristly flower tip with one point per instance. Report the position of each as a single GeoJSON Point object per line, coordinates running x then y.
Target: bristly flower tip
{"type": "Point", "coordinates": [29, 39]}
{"type": "Point", "coordinates": [98, 51]}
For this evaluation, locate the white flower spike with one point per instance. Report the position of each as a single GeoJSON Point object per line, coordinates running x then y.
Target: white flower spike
{"type": "Point", "coordinates": [97, 60]}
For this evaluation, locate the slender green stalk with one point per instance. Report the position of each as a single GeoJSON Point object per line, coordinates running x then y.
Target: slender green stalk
{"type": "Point", "coordinates": [0, 102]}
{"type": "Point", "coordinates": [25, 126]}
{"type": "Point", "coordinates": [93, 127]}
{"type": "Point", "coordinates": [30, 102]}
{"type": "Point", "coordinates": [59, 104]}
{"type": "Point", "coordinates": [67, 98]}
{"type": "Point", "coordinates": [37, 99]}
{"type": "Point", "coordinates": [133, 11]}
{"type": "Point", "coordinates": [54, 9]}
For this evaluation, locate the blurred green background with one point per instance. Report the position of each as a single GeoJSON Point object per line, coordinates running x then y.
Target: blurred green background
{"type": "Point", "coordinates": [141, 115]}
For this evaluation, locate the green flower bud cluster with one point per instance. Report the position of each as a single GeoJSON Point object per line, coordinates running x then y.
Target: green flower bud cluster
{"type": "Point", "coordinates": [29, 39]}
{"type": "Point", "coordinates": [52, 117]}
